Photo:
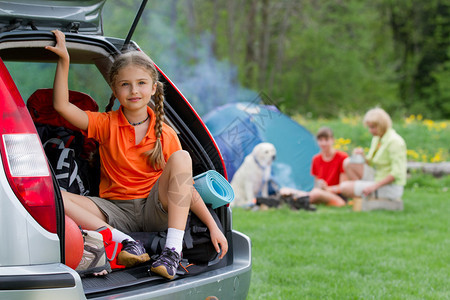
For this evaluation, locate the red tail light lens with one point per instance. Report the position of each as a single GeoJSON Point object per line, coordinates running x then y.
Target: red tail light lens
{"type": "Point", "coordinates": [23, 157]}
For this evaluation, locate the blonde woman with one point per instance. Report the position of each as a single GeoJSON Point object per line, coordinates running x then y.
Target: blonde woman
{"type": "Point", "coordinates": [382, 173]}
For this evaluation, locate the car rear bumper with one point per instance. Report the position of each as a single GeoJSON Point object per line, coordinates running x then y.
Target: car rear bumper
{"type": "Point", "coordinates": [48, 281]}
{"type": "Point", "coordinates": [57, 281]}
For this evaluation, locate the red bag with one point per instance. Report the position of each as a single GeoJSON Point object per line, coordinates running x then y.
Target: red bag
{"type": "Point", "coordinates": [112, 248]}
{"type": "Point", "coordinates": [40, 105]}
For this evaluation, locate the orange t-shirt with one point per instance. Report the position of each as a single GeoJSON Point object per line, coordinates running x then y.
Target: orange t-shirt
{"type": "Point", "coordinates": [125, 173]}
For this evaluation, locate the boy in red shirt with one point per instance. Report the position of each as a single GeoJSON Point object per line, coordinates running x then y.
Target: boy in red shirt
{"type": "Point", "coordinates": [327, 169]}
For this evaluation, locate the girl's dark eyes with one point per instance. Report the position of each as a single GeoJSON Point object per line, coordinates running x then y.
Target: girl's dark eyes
{"type": "Point", "coordinates": [126, 84]}
{"type": "Point", "coordinates": [140, 83]}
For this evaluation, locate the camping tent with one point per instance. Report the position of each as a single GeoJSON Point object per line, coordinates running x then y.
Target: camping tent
{"type": "Point", "coordinates": [238, 127]}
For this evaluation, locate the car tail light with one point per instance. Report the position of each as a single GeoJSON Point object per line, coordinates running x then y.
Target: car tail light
{"type": "Point", "coordinates": [23, 157]}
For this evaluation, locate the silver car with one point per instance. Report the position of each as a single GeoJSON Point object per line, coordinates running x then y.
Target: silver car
{"type": "Point", "coordinates": [32, 234]}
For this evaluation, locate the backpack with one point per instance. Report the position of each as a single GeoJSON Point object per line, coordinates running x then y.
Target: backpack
{"type": "Point", "coordinates": [66, 152]}
{"type": "Point", "coordinates": [67, 167]}
{"type": "Point", "coordinates": [100, 252]}
{"type": "Point", "coordinates": [73, 157]}
{"type": "Point", "coordinates": [94, 257]}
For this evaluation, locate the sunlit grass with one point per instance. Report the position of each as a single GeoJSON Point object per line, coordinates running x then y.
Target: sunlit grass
{"type": "Point", "coordinates": [335, 253]}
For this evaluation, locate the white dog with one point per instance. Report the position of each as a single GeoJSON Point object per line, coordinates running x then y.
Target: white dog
{"type": "Point", "coordinates": [252, 177]}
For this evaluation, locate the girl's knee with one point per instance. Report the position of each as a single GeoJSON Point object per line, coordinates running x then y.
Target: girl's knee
{"type": "Point", "coordinates": [180, 155]}
{"type": "Point", "coordinates": [180, 158]}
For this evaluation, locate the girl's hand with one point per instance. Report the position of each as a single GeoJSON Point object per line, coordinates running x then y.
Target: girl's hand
{"type": "Point", "coordinates": [60, 47]}
{"type": "Point", "coordinates": [219, 241]}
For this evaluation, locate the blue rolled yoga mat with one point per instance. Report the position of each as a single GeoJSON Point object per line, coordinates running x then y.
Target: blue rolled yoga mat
{"type": "Point", "coordinates": [214, 188]}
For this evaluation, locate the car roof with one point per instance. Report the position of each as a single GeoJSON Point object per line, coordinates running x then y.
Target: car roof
{"type": "Point", "coordinates": [83, 16]}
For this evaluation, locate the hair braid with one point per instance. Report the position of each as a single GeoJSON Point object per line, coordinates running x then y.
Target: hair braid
{"type": "Point", "coordinates": [110, 105]}
{"type": "Point", "coordinates": [156, 157]}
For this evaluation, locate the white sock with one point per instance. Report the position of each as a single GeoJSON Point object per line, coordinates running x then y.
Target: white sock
{"type": "Point", "coordinates": [118, 236]}
{"type": "Point", "coordinates": [175, 239]}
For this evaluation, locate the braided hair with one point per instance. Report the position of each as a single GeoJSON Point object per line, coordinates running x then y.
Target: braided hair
{"type": "Point", "coordinates": [137, 58]}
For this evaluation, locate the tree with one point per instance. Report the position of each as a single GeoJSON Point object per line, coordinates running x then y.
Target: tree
{"type": "Point", "coordinates": [325, 57]}
{"type": "Point", "coordinates": [421, 32]}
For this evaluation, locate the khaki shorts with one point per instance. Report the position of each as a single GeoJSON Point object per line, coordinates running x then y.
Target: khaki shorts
{"type": "Point", "coordinates": [389, 191]}
{"type": "Point", "coordinates": [146, 214]}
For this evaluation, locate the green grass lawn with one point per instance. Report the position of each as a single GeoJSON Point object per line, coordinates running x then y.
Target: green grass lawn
{"type": "Point", "coordinates": [335, 253]}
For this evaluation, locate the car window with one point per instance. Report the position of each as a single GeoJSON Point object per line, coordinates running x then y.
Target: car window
{"type": "Point", "coordinates": [83, 78]}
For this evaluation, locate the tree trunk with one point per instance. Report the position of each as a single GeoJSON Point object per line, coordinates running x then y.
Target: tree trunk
{"type": "Point", "coordinates": [436, 169]}
{"type": "Point", "coordinates": [278, 61]}
{"type": "Point", "coordinates": [173, 22]}
{"type": "Point", "coordinates": [214, 27]}
{"type": "Point", "coordinates": [250, 44]}
{"type": "Point", "coordinates": [190, 10]}
{"type": "Point", "coordinates": [264, 44]}
{"type": "Point", "coordinates": [231, 8]}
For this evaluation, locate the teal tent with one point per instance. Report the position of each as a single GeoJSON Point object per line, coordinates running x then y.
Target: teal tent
{"type": "Point", "coordinates": [238, 127]}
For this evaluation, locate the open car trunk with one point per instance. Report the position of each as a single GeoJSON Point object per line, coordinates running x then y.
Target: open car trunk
{"type": "Point", "coordinates": [180, 115]}
{"type": "Point", "coordinates": [24, 32]}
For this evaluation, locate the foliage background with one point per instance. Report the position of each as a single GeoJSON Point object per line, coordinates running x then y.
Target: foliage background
{"type": "Point", "coordinates": [323, 62]}
{"type": "Point", "coordinates": [321, 57]}
{"type": "Point", "coordinates": [317, 58]}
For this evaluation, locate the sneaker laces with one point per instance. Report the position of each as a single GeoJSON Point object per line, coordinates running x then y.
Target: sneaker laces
{"type": "Point", "coordinates": [133, 247]}
{"type": "Point", "coordinates": [169, 257]}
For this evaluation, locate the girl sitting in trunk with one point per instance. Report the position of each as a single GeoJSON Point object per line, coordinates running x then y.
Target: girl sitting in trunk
{"type": "Point", "coordinates": [146, 178]}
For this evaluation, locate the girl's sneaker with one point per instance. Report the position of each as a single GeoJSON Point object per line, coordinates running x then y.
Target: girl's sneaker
{"type": "Point", "coordinates": [167, 263]}
{"type": "Point", "coordinates": [133, 253]}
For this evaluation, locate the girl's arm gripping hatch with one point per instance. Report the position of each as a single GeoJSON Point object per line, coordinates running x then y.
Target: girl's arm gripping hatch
{"type": "Point", "coordinates": [67, 110]}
